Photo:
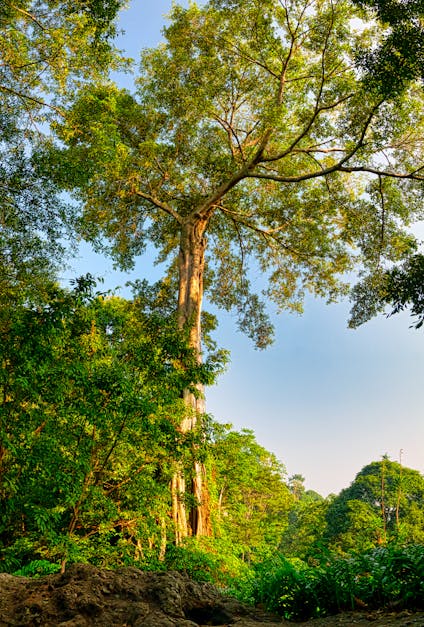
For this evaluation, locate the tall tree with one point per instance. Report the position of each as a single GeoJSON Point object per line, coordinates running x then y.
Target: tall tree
{"type": "Point", "coordinates": [251, 143]}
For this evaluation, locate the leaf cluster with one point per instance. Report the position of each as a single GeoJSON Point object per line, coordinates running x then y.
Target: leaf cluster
{"type": "Point", "coordinates": [405, 288]}
{"type": "Point", "coordinates": [398, 59]}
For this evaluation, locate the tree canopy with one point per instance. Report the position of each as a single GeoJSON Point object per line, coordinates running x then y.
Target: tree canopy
{"type": "Point", "coordinates": [90, 410]}
{"type": "Point", "coordinates": [252, 497]}
{"type": "Point", "coordinates": [252, 122]}
{"type": "Point", "coordinates": [404, 287]}
{"type": "Point", "coordinates": [399, 288]}
{"type": "Point", "coordinates": [49, 46]}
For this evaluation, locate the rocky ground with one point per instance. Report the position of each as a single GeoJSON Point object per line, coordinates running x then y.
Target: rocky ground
{"type": "Point", "coordinates": [85, 595]}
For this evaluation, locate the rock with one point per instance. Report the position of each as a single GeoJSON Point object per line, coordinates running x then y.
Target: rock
{"type": "Point", "coordinates": [85, 595]}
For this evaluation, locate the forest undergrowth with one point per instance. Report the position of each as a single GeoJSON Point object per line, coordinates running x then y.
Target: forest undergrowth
{"type": "Point", "coordinates": [90, 443]}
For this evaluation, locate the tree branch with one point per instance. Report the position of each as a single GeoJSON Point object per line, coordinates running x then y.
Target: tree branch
{"type": "Point", "coordinates": [25, 97]}
{"type": "Point", "coordinates": [307, 128]}
{"type": "Point", "coordinates": [160, 205]}
{"type": "Point", "coordinates": [28, 15]}
{"type": "Point", "coordinates": [231, 133]}
{"type": "Point", "coordinates": [267, 234]}
{"type": "Point", "coordinates": [338, 167]}
{"type": "Point", "coordinates": [414, 176]}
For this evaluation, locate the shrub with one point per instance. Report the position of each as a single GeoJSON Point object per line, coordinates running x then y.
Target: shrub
{"type": "Point", "coordinates": [38, 568]}
{"type": "Point", "coordinates": [379, 578]}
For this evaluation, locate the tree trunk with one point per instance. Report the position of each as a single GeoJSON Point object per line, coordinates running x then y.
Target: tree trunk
{"type": "Point", "coordinates": [191, 266]}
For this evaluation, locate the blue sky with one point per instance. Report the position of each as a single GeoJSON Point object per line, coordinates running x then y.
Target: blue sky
{"type": "Point", "coordinates": [326, 400]}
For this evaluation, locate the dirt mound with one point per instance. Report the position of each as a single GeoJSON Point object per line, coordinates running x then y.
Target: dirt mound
{"type": "Point", "coordinates": [86, 595]}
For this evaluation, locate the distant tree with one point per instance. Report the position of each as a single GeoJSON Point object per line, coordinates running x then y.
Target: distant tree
{"type": "Point", "coordinates": [252, 499]}
{"type": "Point", "coordinates": [384, 503]}
{"type": "Point", "coordinates": [303, 537]}
{"type": "Point", "coordinates": [296, 485]}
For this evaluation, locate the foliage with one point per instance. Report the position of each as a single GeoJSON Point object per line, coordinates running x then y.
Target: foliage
{"type": "Point", "coordinates": [37, 568]}
{"type": "Point", "coordinates": [404, 288]}
{"type": "Point", "coordinates": [34, 224]}
{"type": "Point", "coordinates": [281, 587]}
{"type": "Point", "coordinates": [383, 577]}
{"type": "Point", "coordinates": [400, 288]}
{"type": "Point", "coordinates": [303, 537]}
{"type": "Point", "coordinates": [90, 410]}
{"type": "Point", "coordinates": [47, 45]}
{"type": "Point", "coordinates": [207, 559]}
{"type": "Point", "coordinates": [398, 57]}
{"type": "Point", "coordinates": [90, 406]}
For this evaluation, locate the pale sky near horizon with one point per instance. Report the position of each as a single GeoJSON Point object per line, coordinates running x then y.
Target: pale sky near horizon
{"type": "Point", "coordinates": [326, 400]}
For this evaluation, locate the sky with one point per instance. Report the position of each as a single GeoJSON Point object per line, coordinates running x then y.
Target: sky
{"type": "Point", "coordinates": [325, 399]}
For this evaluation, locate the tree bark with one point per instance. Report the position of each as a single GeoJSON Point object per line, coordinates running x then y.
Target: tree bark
{"type": "Point", "coordinates": [191, 267]}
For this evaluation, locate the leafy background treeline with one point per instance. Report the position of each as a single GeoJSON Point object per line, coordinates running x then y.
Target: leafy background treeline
{"type": "Point", "coordinates": [105, 453]}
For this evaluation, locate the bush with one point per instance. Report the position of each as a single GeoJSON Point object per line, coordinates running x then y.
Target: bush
{"type": "Point", "coordinates": [283, 586]}
{"type": "Point", "coordinates": [209, 560]}
{"type": "Point", "coordinates": [379, 578]}
{"type": "Point", "coordinates": [38, 568]}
